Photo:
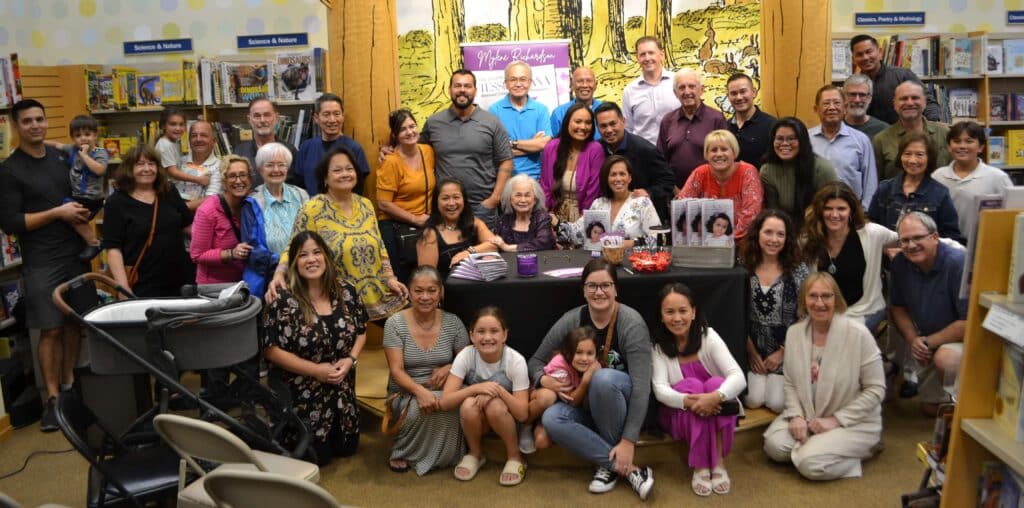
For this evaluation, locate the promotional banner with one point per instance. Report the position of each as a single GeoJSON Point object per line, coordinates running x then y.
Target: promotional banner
{"type": "Point", "coordinates": [548, 60]}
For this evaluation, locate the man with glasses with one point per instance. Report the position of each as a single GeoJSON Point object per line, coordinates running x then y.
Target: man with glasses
{"type": "Point", "coordinates": [526, 120]}
{"type": "Point", "coordinates": [471, 146]}
{"type": "Point", "coordinates": [857, 90]}
{"type": "Point", "coordinates": [925, 305]}
{"type": "Point", "coordinates": [263, 120]}
{"type": "Point", "coordinates": [329, 115]}
{"type": "Point", "coordinates": [200, 161]}
{"type": "Point", "coordinates": [848, 150]}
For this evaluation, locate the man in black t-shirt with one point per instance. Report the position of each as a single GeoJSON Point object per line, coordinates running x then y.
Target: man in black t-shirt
{"type": "Point", "coordinates": [34, 204]}
{"type": "Point", "coordinates": [263, 120]}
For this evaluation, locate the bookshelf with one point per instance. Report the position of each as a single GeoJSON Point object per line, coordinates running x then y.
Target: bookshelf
{"type": "Point", "coordinates": [976, 437]}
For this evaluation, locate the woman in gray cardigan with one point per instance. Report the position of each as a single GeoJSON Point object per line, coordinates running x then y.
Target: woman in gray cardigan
{"type": "Point", "coordinates": [605, 432]}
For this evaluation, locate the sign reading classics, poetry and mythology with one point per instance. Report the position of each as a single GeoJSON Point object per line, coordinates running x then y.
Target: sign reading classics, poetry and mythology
{"type": "Point", "coordinates": [888, 18]}
{"type": "Point", "coordinates": [157, 46]}
{"type": "Point", "coordinates": [1015, 17]}
{"type": "Point", "coordinates": [548, 60]}
{"type": "Point", "coordinates": [272, 40]}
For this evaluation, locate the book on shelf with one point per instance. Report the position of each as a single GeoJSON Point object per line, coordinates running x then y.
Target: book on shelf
{"type": "Point", "coordinates": [172, 84]}
{"type": "Point", "coordinates": [1015, 107]}
{"type": "Point", "coordinates": [1013, 56]}
{"type": "Point", "coordinates": [994, 58]}
{"type": "Point", "coordinates": [11, 291]}
{"type": "Point", "coordinates": [997, 150]}
{"type": "Point", "coordinates": [245, 81]}
{"type": "Point", "coordinates": [1015, 288]}
{"type": "Point", "coordinates": [966, 55]}
{"type": "Point", "coordinates": [124, 87]}
{"type": "Point", "coordinates": [118, 145]}
{"type": "Point", "coordinates": [10, 80]}
{"type": "Point", "coordinates": [190, 82]}
{"type": "Point", "coordinates": [990, 483]}
{"type": "Point", "coordinates": [1015, 147]}
{"type": "Point", "coordinates": [842, 59]}
{"type": "Point", "coordinates": [295, 76]}
{"type": "Point", "coordinates": [997, 107]}
{"type": "Point", "coordinates": [1007, 410]}
{"type": "Point", "coordinates": [99, 90]}
{"type": "Point", "coordinates": [963, 103]}
{"type": "Point", "coordinates": [10, 251]}
{"type": "Point", "coordinates": [5, 136]}
{"type": "Point", "coordinates": [150, 89]}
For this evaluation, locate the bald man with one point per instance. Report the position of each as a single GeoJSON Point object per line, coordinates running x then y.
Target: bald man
{"type": "Point", "coordinates": [682, 132]}
{"type": "Point", "coordinates": [583, 85]}
{"type": "Point", "coordinates": [526, 120]}
{"type": "Point", "coordinates": [909, 101]}
{"type": "Point", "coordinates": [200, 160]}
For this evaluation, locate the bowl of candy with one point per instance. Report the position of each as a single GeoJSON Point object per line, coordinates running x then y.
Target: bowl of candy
{"type": "Point", "coordinates": [650, 259]}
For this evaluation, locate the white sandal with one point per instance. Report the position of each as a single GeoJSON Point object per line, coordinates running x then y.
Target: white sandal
{"type": "Point", "coordinates": [470, 464]}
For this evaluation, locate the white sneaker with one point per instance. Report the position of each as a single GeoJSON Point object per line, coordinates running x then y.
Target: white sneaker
{"type": "Point", "coordinates": [642, 481]}
{"type": "Point", "coordinates": [603, 481]}
{"type": "Point", "coordinates": [526, 442]}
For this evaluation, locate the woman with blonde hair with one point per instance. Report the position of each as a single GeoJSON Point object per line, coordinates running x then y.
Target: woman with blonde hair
{"type": "Point", "coordinates": [726, 177]}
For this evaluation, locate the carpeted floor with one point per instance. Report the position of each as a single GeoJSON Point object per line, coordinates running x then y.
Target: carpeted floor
{"type": "Point", "coordinates": [553, 478]}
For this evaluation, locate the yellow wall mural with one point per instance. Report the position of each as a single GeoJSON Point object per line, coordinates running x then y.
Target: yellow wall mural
{"type": "Point", "coordinates": [718, 36]}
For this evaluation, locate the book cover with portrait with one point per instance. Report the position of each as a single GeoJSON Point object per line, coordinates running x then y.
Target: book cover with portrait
{"type": "Point", "coordinates": [693, 215]}
{"type": "Point", "coordinates": [717, 222]}
{"type": "Point", "coordinates": [679, 226]}
{"type": "Point", "coordinates": [595, 224]}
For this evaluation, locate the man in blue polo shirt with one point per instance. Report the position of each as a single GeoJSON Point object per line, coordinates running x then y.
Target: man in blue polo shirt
{"type": "Point", "coordinates": [583, 84]}
{"type": "Point", "coordinates": [329, 115]}
{"type": "Point", "coordinates": [526, 120]}
{"type": "Point", "coordinates": [926, 307]}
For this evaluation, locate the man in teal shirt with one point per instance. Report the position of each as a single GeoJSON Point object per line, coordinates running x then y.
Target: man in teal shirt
{"type": "Point", "coordinates": [583, 84]}
{"type": "Point", "coordinates": [526, 120]}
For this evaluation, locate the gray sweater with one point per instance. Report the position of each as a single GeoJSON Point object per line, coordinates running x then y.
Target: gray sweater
{"type": "Point", "coordinates": [632, 342]}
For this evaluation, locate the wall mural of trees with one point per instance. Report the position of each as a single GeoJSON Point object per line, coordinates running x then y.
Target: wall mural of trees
{"type": "Point", "coordinates": [717, 36]}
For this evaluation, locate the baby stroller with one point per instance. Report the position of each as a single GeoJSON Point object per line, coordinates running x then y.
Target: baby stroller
{"type": "Point", "coordinates": [202, 330]}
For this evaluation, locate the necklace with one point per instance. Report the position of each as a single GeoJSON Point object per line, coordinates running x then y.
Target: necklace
{"type": "Point", "coordinates": [448, 227]}
{"type": "Point", "coordinates": [832, 265]}
{"type": "Point", "coordinates": [427, 328]}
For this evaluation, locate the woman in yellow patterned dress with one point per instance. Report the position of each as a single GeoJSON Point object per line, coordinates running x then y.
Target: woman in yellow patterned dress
{"type": "Point", "coordinates": [348, 223]}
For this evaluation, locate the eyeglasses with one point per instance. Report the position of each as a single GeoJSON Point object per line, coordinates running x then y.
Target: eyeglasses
{"type": "Point", "coordinates": [592, 287]}
{"type": "Point", "coordinates": [821, 297]}
{"type": "Point", "coordinates": [905, 242]}
{"type": "Point", "coordinates": [858, 95]}
{"type": "Point", "coordinates": [786, 139]}
{"type": "Point", "coordinates": [521, 79]}
{"type": "Point", "coordinates": [236, 176]}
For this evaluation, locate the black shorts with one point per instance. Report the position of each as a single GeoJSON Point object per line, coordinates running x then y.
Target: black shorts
{"type": "Point", "coordinates": [93, 205]}
{"type": "Point", "coordinates": [40, 282]}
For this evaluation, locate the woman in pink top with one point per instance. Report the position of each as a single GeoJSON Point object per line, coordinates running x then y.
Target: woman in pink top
{"type": "Point", "coordinates": [216, 250]}
{"type": "Point", "coordinates": [570, 173]}
{"type": "Point", "coordinates": [724, 177]}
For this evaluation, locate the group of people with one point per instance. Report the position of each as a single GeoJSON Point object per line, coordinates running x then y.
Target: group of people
{"type": "Point", "coordinates": [821, 216]}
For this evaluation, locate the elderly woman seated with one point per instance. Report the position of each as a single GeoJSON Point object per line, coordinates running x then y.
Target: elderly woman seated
{"type": "Point", "coordinates": [524, 224]}
{"type": "Point", "coordinates": [834, 389]}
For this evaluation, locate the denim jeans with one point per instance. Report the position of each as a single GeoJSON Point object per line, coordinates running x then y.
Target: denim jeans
{"type": "Point", "coordinates": [590, 435]}
{"type": "Point", "coordinates": [488, 215]}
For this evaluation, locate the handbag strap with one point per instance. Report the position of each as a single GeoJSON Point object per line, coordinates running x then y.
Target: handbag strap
{"type": "Point", "coordinates": [426, 181]}
{"type": "Point", "coordinates": [227, 211]}
{"type": "Point", "coordinates": [149, 240]}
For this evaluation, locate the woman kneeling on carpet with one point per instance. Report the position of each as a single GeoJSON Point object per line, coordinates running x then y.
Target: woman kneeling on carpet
{"type": "Point", "coordinates": [696, 380]}
{"type": "Point", "coordinates": [420, 343]}
{"type": "Point", "coordinates": [315, 330]}
{"type": "Point", "coordinates": [490, 385]}
{"type": "Point", "coordinates": [834, 389]}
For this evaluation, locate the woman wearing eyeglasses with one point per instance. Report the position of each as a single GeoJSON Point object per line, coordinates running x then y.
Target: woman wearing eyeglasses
{"type": "Point", "coordinates": [791, 172]}
{"type": "Point", "coordinates": [834, 389]}
{"type": "Point", "coordinates": [604, 431]}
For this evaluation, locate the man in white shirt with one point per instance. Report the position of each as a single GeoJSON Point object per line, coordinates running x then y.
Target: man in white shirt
{"type": "Point", "coordinates": [200, 161]}
{"type": "Point", "coordinates": [648, 98]}
{"type": "Point", "coordinates": [848, 149]}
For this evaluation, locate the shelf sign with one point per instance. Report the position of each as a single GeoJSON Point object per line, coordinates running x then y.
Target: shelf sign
{"type": "Point", "coordinates": [157, 46]}
{"type": "Point", "coordinates": [272, 40]}
{"type": "Point", "coordinates": [888, 18]}
{"type": "Point", "coordinates": [1005, 323]}
{"type": "Point", "coordinates": [1015, 17]}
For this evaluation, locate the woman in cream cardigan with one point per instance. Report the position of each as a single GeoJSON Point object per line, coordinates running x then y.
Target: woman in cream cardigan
{"type": "Point", "coordinates": [834, 389]}
{"type": "Point", "coordinates": [694, 378]}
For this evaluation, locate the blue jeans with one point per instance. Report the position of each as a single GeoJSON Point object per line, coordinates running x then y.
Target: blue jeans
{"type": "Point", "coordinates": [591, 435]}
{"type": "Point", "coordinates": [488, 215]}
{"type": "Point", "coordinates": [871, 321]}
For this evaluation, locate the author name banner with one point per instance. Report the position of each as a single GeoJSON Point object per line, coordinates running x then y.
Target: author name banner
{"type": "Point", "coordinates": [549, 60]}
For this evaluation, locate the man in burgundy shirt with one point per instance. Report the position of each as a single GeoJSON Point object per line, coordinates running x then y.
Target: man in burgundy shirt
{"type": "Point", "coordinates": [681, 137]}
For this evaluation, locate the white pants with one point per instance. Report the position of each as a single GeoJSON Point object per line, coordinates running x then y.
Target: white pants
{"type": "Point", "coordinates": [829, 456]}
{"type": "Point", "coordinates": [766, 390]}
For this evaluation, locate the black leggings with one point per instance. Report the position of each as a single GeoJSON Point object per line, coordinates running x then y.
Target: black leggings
{"type": "Point", "coordinates": [336, 445]}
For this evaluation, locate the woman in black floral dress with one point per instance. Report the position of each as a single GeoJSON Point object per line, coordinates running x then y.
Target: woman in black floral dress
{"type": "Point", "coordinates": [315, 331]}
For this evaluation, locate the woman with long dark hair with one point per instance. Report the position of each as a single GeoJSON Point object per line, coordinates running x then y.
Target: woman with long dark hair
{"type": "Point", "coordinates": [791, 172]}
{"type": "Point", "coordinates": [452, 232]}
{"type": "Point", "coordinates": [693, 374]}
{"type": "Point", "coordinates": [315, 330]}
{"type": "Point", "coordinates": [773, 262]}
{"type": "Point", "coordinates": [571, 166]}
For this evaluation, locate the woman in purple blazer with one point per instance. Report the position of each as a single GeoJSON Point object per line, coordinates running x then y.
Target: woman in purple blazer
{"type": "Point", "coordinates": [571, 166]}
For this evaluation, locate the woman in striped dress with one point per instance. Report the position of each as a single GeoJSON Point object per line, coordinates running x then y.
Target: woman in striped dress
{"type": "Point", "coordinates": [420, 343]}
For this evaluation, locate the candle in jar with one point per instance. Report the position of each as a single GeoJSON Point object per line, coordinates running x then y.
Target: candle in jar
{"type": "Point", "coordinates": [526, 265]}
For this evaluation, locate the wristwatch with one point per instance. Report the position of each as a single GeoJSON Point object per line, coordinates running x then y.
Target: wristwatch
{"type": "Point", "coordinates": [471, 249]}
{"type": "Point", "coordinates": [515, 145]}
{"type": "Point", "coordinates": [354, 360]}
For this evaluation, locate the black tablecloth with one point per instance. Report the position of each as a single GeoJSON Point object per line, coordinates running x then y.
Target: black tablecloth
{"type": "Point", "coordinates": [532, 305]}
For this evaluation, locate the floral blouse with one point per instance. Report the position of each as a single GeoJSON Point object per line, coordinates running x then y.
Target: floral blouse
{"type": "Point", "coordinates": [636, 217]}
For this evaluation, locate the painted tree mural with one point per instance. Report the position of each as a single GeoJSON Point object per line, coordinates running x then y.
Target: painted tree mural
{"type": "Point", "coordinates": [563, 19]}
{"type": "Point", "coordinates": [607, 37]}
{"type": "Point", "coordinates": [659, 24]}
{"type": "Point", "coordinates": [526, 19]}
{"type": "Point", "coordinates": [449, 31]}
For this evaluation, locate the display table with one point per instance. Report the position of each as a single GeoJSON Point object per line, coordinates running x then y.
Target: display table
{"type": "Point", "coordinates": [532, 305]}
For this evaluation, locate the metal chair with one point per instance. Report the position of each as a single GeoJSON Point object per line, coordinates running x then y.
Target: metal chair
{"type": "Point", "coordinates": [195, 439]}
{"type": "Point", "coordinates": [252, 489]}
{"type": "Point", "coordinates": [122, 470]}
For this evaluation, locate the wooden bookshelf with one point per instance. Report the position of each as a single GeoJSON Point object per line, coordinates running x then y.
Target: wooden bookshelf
{"type": "Point", "coordinates": [975, 437]}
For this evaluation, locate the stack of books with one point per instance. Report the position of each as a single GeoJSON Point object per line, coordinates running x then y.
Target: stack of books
{"type": "Point", "coordinates": [486, 266]}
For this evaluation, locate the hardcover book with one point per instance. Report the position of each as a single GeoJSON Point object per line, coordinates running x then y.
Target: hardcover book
{"type": "Point", "coordinates": [295, 76]}
{"type": "Point", "coordinates": [1013, 56]}
{"type": "Point", "coordinates": [247, 81]}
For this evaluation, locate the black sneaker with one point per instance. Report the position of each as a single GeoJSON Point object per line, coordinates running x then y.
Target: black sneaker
{"type": "Point", "coordinates": [908, 389]}
{"type": "Point", "coordinates": [642, 481]}
{"type": "Point", "coordinates": [89, 252]}
{"type": "Point", "coordinates": [603, 481]}
{"type": "Point", "coordinates": [48, 423]}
